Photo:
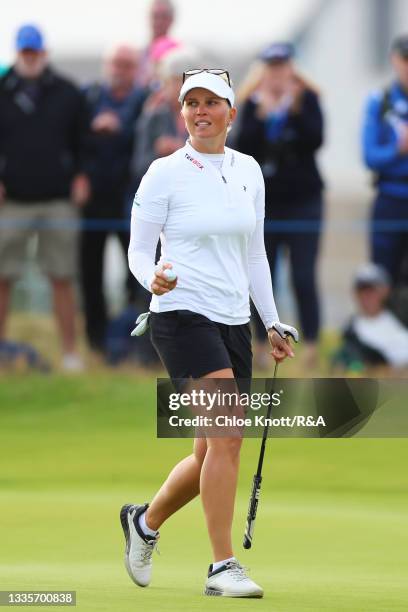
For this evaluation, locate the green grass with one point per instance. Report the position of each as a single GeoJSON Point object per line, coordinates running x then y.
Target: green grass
{"type": "Point", "coordinates": [331, 533]}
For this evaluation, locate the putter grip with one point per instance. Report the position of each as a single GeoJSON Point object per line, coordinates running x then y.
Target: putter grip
{"type": "Point", "coordinates": [253, 507]}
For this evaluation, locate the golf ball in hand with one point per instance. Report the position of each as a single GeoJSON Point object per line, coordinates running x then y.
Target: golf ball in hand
{"type": "Point", "coordinates": [170, 274]}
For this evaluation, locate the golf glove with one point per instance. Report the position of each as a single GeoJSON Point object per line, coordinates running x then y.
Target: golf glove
{"type": "Point", "coordinates": [286, 330]}
{"type": "Point", "coordinates": [142, 324]}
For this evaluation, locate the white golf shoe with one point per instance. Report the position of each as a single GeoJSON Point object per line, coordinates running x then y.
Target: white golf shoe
{"type": "Point", "coordinates": [139, 547]}
{"type": "Point", "coordinates": [230, 580]}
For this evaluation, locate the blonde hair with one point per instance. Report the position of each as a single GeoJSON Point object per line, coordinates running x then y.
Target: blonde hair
{"type": "Point", "coordinates": [254, 77]}
{"type": "Point", "coordinates": [251, 82]}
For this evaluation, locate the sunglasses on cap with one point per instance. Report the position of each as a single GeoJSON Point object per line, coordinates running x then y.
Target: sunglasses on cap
{"type": "Point", "coordinates": [224, 74]}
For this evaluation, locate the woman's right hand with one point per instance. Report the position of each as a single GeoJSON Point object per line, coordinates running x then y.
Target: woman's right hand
{"type": "Point", "coordinates": [160, 284]}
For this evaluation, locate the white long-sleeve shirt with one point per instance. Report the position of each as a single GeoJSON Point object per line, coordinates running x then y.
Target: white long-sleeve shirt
{"type": "Point", "coordinates": [210, 223]}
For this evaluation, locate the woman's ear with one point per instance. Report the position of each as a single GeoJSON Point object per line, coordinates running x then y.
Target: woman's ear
{"type": "Point", "coordinates": [232, 115]}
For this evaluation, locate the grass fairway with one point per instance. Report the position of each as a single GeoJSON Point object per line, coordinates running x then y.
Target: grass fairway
{"type": "Point", "coordinates": [332, 528]}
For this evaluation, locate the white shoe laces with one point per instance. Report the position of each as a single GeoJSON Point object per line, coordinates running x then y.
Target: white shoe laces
{"type": "Point", "coordinates": [237, 571]}
{"type": "Point", "coordinates": [147, 550]}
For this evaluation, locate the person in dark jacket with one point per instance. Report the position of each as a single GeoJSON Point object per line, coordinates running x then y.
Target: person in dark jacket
{"type": "Point", "coordinates": [282, 128]}
{"type": "Point", "coordinates": [42, 182]}
{"type": "Point", "coordinates": [113, 109]}
{"type": "Point", "coordinates": [385, 150]}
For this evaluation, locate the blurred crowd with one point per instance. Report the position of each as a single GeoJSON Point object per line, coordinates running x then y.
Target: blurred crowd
{"type": "Point", "coordinates": [71, 159]}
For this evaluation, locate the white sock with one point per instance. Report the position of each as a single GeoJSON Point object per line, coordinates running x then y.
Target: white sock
{"type": "Point", "coordinates": [217, 564]}
{"type": "Point", "coordinates": [146, 530]}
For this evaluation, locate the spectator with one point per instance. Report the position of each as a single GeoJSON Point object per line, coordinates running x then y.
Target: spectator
{"type": "Point", "coordinates": [385, 147]}
{"type": "Point", "coordinates": [282, 128]}
{"type": "Point", "coordinates": [41, 183]}
{"type": "Point", "coordinates": [113, 108]}
{"type": "Point", "coordinates": [161, 129]}
{"type": "Point", "coordinates": [374, 336]}
{"type": "Point", "coordinates": [161, 17]}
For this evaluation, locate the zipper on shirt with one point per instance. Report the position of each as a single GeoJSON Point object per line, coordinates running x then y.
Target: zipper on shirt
{"type": "Point", "coordinates": [224, 180]}
{"type": "Point", "coordinates": [229, 204]}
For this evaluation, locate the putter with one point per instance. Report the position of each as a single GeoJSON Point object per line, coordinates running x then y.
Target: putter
{"type": "Point", "coordinates": [283, 331]}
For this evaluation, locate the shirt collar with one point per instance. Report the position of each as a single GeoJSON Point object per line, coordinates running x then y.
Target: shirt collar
{"type": "Point", "coordinates": [229, 159]}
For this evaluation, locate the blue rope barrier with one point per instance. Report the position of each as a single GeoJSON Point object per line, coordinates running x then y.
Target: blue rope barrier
{"type": "Point", "coordinates": [308, 225]}
{"type": "Point", "coordinates": [275, 227]}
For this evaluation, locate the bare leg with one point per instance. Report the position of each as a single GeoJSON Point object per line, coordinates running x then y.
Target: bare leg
{"type": "Point", "coordinates": [181, 486]}
{"type": "Point", "coordinates": [5, 287]}
{"type": "Point", "coordinates": [211, 471]}
{"type": "Point", "coordinates": [218, 484]}
{"type": "Point", "coordinates": [64, 308]}
{"type": "Point", "coordinates": [310, 355]}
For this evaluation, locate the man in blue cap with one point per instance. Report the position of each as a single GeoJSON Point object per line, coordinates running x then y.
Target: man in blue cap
{"type": "Point", "coordinates": [41, 182]}
{"type": "Point", "coordinates": [385, 149]}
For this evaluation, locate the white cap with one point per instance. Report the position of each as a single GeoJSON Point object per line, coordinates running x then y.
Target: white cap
{"type": "Point", "coordinates": [209, 81]}
{"type": "Point", "coordinates": [371, 274]}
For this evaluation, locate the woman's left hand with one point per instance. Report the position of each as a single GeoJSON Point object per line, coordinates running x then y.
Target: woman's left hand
{"type": "Point", "coordinates": [281, 347]}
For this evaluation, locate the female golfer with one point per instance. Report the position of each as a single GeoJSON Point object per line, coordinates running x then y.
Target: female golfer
{"type": "Point", "coordinates": [206, 203]}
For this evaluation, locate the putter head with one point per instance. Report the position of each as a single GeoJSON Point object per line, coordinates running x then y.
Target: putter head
{"type": "Point", "coordinates": [286, 330]}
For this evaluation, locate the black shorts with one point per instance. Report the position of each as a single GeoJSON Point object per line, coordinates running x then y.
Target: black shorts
{"type": "Point", "coordinates": [190, 345]}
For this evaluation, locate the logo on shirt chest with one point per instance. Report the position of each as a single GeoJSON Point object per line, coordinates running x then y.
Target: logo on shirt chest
{"type": "Point", "coordinates": [194, 161]}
